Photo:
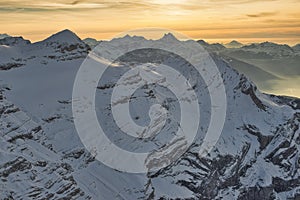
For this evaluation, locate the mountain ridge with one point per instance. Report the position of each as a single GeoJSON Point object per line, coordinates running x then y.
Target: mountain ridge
{"type": "Point", "coordinates": [266, 56]}
{"type": "Point", "coordinates": [66, 33]}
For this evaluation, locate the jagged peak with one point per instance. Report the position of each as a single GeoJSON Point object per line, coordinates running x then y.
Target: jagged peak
{"type": "Point", "coordinates": [271, 44]}
{"type": "Point", "coordinates": [129, 37]}
{"type": "Point", "coordinates": [13, 41]}
{"type": "Point", "coordinates": [168, 36]}
{"type": "Point", "coordinates": [268, 44]}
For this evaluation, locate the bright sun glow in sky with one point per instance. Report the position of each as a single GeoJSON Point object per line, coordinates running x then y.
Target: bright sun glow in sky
{"type": "Point", "coordinates": [212, 20]}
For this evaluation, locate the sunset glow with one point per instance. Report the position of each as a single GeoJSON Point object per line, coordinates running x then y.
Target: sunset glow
{"type": "Point", "coordinates": [212, 20]}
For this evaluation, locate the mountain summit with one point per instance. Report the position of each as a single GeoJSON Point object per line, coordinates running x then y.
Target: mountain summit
{"type": "Point", "coordinates": [169, 37]}
{"type": "Point", "coordinates": [234, 44]}
{"type": "Point", "coordinates": [64, 36]}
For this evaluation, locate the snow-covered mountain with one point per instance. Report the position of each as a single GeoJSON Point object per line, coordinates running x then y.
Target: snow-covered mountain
{"type": "Point", "coordinates": [270, 48]}
{"type": "Point", "coordinates": [42, 157]}
{"type": "Point", "coordinates": [211, 47]}
{"type": "Point", "coordinates": [280, 64]}
{"type": "Point", "coordinates": [14, 41]}
{"type": "Point", "coordinates": [64, 45]}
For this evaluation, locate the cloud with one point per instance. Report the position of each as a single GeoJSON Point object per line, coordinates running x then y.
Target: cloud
{"type": "Point", "coordinates": [201, 19]}
{"type": "Point", "coordinates": [75, 2]}
{"type": "Point", "coordinates": [39, 3]}
{"type": "Point", "coordinates": [77, 5]}
{"type": "Point", "coordinates": [133, 5]}
{"type": "Point", "coordinates": [23, 9]}
{"type": "Point", "coordinates": [46, 5]}
{"type": "Point", "coordinates": [262, 14]}
{"type": "Point", "coordinates": [238, 1]}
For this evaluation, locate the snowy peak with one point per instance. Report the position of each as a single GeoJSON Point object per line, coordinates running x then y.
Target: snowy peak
{"type": "Point", "coordinates": [64, 45]}
{"type": "Point", "coordinates": [128, 37]}
{"type": "Point", "coordinates": [270, 48]}
{"type": "Point", "coordinates": [267, 45]}
{"type": "Point", "coordinates": [14, 41]}
{"type": "Point", "coordinates": [169, 37]}
{"type": "Point", "coordinates": [65, 36]}
{"type": "Point", "coordinates": [211, 47]}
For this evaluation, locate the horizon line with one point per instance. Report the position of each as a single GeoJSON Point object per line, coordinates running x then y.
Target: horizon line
{"type": "Point", "coordinates": [207, 40]}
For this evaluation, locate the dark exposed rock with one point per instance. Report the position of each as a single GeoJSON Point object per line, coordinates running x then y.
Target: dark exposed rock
{"type": "Point", "coordinates": [9, 66]}
{"type": "Point", "coordinates": [19, 164]}
{"type": "Point", "coordinates": [293, 102]}
{"type": "Point", "coordinates": [51, 119]}
{"type": "Point", "coordinates": [281, 185]}
{"type": "Point", "coordinates": [106, 86]}
{"type": "Point", "coordinates": [21, 136]}
{"type": "Point", "coordinates": [13, 41]}
{"type": "Point", "coordinates": [254, 193]}
{"type": "Point", "coordinates": [262, 139]}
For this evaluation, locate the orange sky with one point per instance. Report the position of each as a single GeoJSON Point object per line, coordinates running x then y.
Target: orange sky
{"type": "Point", "coordinates": [212, 20]}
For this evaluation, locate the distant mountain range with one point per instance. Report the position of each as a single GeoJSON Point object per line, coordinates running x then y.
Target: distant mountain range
{"type": "Point", "coordinates": [218, 46]}
{"type": "Point", "coordinates": [273, 67]}
{"type": "Point", "coordinates": [233, 44]}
